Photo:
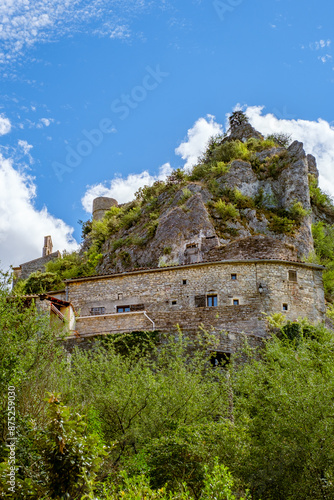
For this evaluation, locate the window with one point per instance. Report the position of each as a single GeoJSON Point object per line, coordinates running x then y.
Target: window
{"type": "Point", "coordinates": [137, 307]}
{"type": "Point", "coordinates": [212, 300]}
{"type": "Point", "coordinates": [233, 276]}
{"type": "Point", "coordinates": [123, 309]}
{"type": "Point", "coordinates": [285, 307]}
{"type": "Point", "coordinates": [120, 296]}
{"type": "Point", "coordinates": [184, 282]}
{"type": "Point", "coordinates": [95, 311]}
{"type": "Point", "coordinates": [200, 301]}
{"type": "Point", "coordinates": [293, 276]}
{"type": "Point", "coordinates": [132, 308]}
{"type": "Point", "coordinates": [220, 358]}
{"type": "Point", "coordinates": [174, 302]}
{"type": "Point", "coordinates": [235, 302]}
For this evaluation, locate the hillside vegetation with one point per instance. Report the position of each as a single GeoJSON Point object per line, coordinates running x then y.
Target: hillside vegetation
{"type": "Point", "coordinates": [157, 421]}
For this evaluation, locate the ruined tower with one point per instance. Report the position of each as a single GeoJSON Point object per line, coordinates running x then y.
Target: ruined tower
{"type": "Point", "coordinates": [101, 205]}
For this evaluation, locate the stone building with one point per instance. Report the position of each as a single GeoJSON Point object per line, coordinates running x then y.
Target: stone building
{"type": "Point", "coordinates": [24, 270]}
{"type": "Point", "coordinates": [228, 292]}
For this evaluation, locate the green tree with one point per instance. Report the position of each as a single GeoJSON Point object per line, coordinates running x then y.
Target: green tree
{"type": "Point", "coordinates": [286, 398]}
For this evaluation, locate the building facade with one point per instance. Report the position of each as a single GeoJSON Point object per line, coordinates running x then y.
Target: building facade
{"type": "Point", "coordinates": [231, 296]}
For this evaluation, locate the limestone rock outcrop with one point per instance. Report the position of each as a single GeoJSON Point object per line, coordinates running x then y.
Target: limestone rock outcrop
{"type": "Point", "coordinates": [188, 228]}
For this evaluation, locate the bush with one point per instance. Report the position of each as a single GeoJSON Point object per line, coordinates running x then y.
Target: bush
{"type": "Point", "coordinates": [282, 225]}
{"type": "Point", "coordinates": [39, 282]}
{"type": "Point", "coordinates": [146, 193]}
{"type": "Point", "coordinates": [231, 150]}
{"type": "Point", "coordinates": [186, 194]}
{"type": "Point", "coordinates": [221, 168]}
{"type": "Point", "coordinates": [130, 218]}
{"type": "Point", "coordinates": [282, 140]}
{"type": "Point", "coordinates": [226, 210]}
{"type": "Point", "coordinates": [74, 265]}
{"type": "Point", "coordinates": [320, 199]}
{"type": "Point", "coordinates": [151, 228]}
{"type": "Point", "coordinates": [298, 212]}
{"type": "Point", "coordinates": [70, 455]}
{"type": "Point", "coordinates": [240, 200]}
{"type": "Point", "coordinates": [200, 171]}
{"type": "Point", "coordinates": [258, 145]}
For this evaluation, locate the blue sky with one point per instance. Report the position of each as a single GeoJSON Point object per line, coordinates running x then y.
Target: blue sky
{"type": "Point", "coordinates": [98, 97]}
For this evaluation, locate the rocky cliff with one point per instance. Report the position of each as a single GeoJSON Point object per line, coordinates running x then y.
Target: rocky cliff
{"type": "Point", "coordinates": [243, 187]}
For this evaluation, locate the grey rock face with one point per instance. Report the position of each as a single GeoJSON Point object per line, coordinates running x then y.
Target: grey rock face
{"type": "Point", "coordinates": [242, 177]}
{"type": "Point", "coordinates": [291, 186]}
{"type": "Point", "coordinates": [312, 166]}
{"type": "Point", "coordinates": [186, 232]}
{"type": "Point", "coordinates": [243, 132]}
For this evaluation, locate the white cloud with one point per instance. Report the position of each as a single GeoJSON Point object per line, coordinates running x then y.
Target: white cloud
{"type": "Point", "coordinates": [25, 146]}
{"type": "Point", "coordinates": [25, 23]}
{"type": "Point", "coordinates": [5, 125]}
{"type": "Point", "coordinates": [123, 189]}
{"type": "Point", "coordinates": [325, 58]}
{"type": "Point", "coordinates": [22, 226]}
{"type": "Point", "coordinates": [197, 139]}
{"type": "Point", "coordinates": [317, 136]}
{"type": "Point", "coordinates": [320, 44]}
{"type": "Point", "coordinates": [47, 121]}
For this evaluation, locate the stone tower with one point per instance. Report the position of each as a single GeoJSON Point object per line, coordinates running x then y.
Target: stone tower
{"type": "Point", "coordinates": [47, 249]}
{"type": "Point", "coordinates": [101, 205]}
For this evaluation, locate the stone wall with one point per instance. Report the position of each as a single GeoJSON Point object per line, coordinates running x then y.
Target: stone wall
{"type": "Point", "coordinates": [254, 247]}
{"type": "Point", "coordinates": [24, 270]}
{"type": "Point", "coordinates": [112, 323]}
{"type": "Point", "coordinates": [179, 295]}
{"type": "Point", "coordinates": [101, 205]}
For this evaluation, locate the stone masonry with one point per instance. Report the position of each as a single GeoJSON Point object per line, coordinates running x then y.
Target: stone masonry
{"type": "Point", "coordinates": [24, 270]}
{"type": "Point", "coordinates": [227, 295]}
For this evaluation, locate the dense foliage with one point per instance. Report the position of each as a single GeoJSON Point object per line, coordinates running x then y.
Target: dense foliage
{"type": "Point", "coordinates": [145, 416]}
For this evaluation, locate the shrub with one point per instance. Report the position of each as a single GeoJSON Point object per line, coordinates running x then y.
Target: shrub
{"type": "Point", "coordinates": [125, 258]}
{"type": "Point", "coordinates": [231, 150]}
{"type": "Point", "coordinates": [298, 212]}
{"type": "Point", "coordinates": [86, 227]}
{"type": "Point", "coordinates": [68, 451]}
{"type": "Point", "coordinates": [178, 176]}
{"type": "Point", "coordinates": [73, 265]}
{"type": "Point", "coordinates": [146, 193]}
{"type": "Point", "coordinates": [320, 199]}
{"type": "Point", "coordinates": [137, 240]}
{"type": "Point", "coordinates": [200, 171]}
{"type": "Point", "coordinates": [323, 237]}
{"type": "Point", "coordinates": [226, 210]}
{"type": "Point", "coordinates": [39, 282]}
{"type": "Point", "coordinates": [282, 225]}
{"type": "Point", "coordinates": [130, 218]}
{"type": "Point", "coordinates": [282, 140]}
{"type": "Point", "coordinates": [151, 228]}
{"type": "Point", "coordinates": [241, 200]}
{"type": "Point", "coordinates": [100, 232]}
{"type": "Point", "coordinates": [259, 145]}
{"type": "Point", "coordinates": [154, 215]}
{"type": "Point", "coordinates": [186, 194]}
{"type": "Point", "coordinates": [221, 168]}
